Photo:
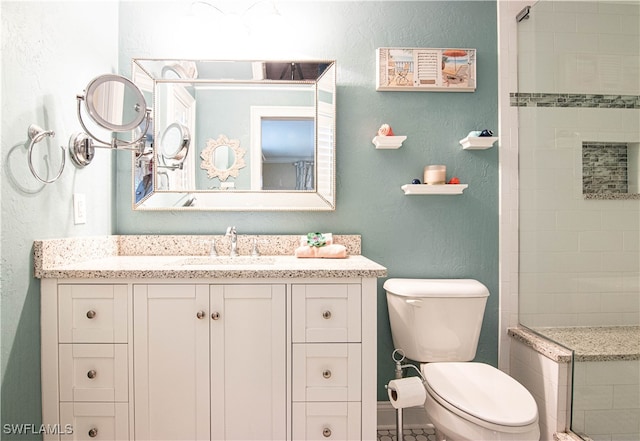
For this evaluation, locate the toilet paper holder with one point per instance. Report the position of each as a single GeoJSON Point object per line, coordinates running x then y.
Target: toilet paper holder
{"type": "Point", "coordinates": [398, 358]}
{"type": "Point", "coordinates": [399, 366]}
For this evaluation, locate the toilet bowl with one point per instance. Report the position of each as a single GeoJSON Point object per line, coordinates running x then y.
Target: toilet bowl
{"type": "Point", "coordinates": [475, 401]}
{"type": "Point", "coordinates": [437, 322]}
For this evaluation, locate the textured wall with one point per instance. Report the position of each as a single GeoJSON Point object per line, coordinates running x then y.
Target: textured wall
{"type": "Point", "coordinates": [50, 51]}
{"type": "Point", "coordinates": [417, 236]}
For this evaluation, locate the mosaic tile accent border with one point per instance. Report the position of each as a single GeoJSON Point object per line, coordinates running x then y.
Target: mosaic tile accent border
{"type": "Point", "coordinates": [574, 100]}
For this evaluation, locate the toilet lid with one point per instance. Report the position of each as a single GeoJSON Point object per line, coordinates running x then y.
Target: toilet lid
{"type": "Point", "coordinates": [482, 391]}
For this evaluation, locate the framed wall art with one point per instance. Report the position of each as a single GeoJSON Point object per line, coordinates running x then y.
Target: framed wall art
{"type": "Point", "coordinates": [426, 69]}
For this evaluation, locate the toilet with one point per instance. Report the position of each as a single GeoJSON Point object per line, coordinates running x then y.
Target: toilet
{"type": "Point", "coordinates": [437, 323]}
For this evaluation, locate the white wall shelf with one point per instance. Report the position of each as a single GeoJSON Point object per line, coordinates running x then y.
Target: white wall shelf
{"type": "Point", "coordinates": [478, 142]}
{"type": "Point", "coordinates": [388, 142]}
{"type": "Point", "coordinates": [424, 189]}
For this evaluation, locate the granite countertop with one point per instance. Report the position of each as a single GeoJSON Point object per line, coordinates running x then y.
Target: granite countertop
{"type": "Point", "coordinates": [174, 257]}
{"type": "Point", "coordinates": [587, 343]}
{"type": "Point", "coordinates": [602, 343]}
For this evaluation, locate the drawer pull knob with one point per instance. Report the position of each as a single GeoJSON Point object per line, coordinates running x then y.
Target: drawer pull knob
{"type": "Point", "coordinates": [91, 314]}
{"type": "Point", "coordinates": [326, 432]}
{"type": "Point", "coordinates": [201, 314]}
{"type": "Point", "coordinates": [326, 373]}
{"type": "Point", "coordinates": [93, 432]}
{"type": "Point", "coordinates": [215, 315]}
{"type": "Point", "coordinates": [92, 374]}
{"type": "Point", "coordinates": [326, 315]}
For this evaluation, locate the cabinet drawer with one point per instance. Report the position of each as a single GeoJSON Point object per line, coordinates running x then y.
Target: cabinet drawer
{"type": "Point", "coordinates": [93, 372]}
{"type": "Point", "coordinates": [326, 313]}
{"type": "Point", "coordinates": [92, 313]}
{"type": "Point", "coordinates": [96, 421]}
{"type": "Point", "coordinates": [326, 421]}
{"type": "Point", "coordinates": [326, 372]}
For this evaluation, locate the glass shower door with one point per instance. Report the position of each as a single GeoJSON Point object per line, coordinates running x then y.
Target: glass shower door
{"type": "Point", "coordinates": [579, 234]}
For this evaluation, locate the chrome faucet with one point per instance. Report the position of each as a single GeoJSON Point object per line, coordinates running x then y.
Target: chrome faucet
{"type": "Point", "coordinates": [231, 231]}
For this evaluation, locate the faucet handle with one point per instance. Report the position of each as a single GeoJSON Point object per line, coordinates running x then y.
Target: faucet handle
{"type": "Point", "coordinates": [211, 246]}
{"type": "Point", "coordinates": [255, 252]}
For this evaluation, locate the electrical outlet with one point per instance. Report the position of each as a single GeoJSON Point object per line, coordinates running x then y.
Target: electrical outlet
{"type": "Point", "coordinates": [79, 208]}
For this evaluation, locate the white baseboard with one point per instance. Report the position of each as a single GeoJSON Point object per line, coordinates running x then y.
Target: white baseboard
{"type": "Point", "coordinates": [412, 417]}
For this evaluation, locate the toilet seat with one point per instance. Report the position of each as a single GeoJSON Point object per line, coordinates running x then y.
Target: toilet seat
{"type": "Point", "coordinates": [482, 394]}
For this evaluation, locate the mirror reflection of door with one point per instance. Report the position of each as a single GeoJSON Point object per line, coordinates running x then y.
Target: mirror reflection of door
{"type": "Point", "coordinates": [288, 153]}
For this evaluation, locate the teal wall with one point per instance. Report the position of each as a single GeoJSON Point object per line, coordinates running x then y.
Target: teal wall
{"type": "Point", "coordinates": [417, 236]}
{"type": "Point", "coordinates": [50, 51]}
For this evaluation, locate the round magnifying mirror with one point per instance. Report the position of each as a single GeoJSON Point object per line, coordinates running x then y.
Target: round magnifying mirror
{"type": "Point", "coordinates": [224, 157]}
{"type": "Point", "coordinates": [115, 103]}
{"type": "Point", "coordinates": [174, 143]}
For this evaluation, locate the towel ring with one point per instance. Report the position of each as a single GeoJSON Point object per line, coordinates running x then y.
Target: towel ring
{"type": "Point", "coordinates": [37, 134]}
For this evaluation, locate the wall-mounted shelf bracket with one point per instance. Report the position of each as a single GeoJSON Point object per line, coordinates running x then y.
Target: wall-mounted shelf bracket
{"type": "Point", "coordinates": [388, 142]}
{"type": "Point", "coordinates": [424, 189]}
{"type": "Point", "coordinates": [478, 142]}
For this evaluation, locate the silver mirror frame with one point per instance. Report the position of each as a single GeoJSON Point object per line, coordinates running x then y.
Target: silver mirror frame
{"type": "Point", "coordinates": [147, 73]}
{"type": "Point", "coordinates": [82, 145]}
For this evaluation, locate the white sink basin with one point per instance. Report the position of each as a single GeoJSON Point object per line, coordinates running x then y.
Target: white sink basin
{"type": "Point", "coordinates": [226, 260]}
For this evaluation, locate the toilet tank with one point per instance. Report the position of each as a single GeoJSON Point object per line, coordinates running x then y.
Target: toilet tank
{"type": "Point", "coordinates": [436, 319]}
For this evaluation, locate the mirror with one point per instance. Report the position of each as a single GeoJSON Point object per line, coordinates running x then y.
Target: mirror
{"type": "Point", "coordinates": [261, 135]}
{"type": "Point", "coordinates": [115, 104]}
{"type": "Point", "coordinates": [174, 145]}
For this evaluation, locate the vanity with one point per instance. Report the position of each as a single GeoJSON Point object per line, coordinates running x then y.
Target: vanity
{"type": "Point", "coordinates": [149, 338]}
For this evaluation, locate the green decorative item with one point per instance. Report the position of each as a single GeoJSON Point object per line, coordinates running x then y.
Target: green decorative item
{"type": "Point", "coordinates": [316, 240]}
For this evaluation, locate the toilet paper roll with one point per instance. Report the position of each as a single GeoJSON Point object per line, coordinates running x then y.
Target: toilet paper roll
{"type": "Point", "coordinates": [406, 392]}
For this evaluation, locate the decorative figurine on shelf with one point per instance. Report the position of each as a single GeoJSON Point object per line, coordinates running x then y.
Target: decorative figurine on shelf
{"type": "Point", "coordinates": [480, 133]}
{"type": "Point", "coordinates": [454, 180]}
{"type": "Point", "coordinates": [385, 130]}
{"type": "Point", "coordinates": [416, 181]}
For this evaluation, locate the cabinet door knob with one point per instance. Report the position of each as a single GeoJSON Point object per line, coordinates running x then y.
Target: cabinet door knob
{"type": "Point", "coordinates": [92, 374]}
{"type": "Point", "coordinates": [201, 314]}
{"type": "Point", "coordinates": [93, 432]}
{"type": "Point", "coordinates": [326, 432]}
{"type": "Point", "coordinates": [326, 373]}
{"type": "Point", "coordinates": [326, 315]}
{"type": "Point", "coordinates": [215, 315]}
{"type": "Point", "coordinates": [91, 314]}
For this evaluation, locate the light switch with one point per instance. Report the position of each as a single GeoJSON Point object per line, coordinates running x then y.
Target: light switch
{"type": "Point", "coordinates": [79, 208]}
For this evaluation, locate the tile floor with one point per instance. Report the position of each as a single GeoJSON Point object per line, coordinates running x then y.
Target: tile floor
{"type": "Point", "coordinates": [409, 435]}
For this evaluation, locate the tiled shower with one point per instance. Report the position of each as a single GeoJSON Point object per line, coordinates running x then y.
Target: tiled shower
{"type": "Point", "coordinates": [577, 100]}
{"type": "Point", "coordinates": [570, 209]}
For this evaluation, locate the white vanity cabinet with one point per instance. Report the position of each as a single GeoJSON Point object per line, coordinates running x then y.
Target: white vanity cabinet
{"type": "Point", "coordinates": [271, 355]}
{"type": "Point", "coordinates": [210, 362]}
{"type": "Point", "coordinates": [327, 361]}
{"type": "Point", "coordinates": [85, 361]}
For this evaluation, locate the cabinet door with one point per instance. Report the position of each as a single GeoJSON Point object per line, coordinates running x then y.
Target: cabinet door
{"type": "Point", "coordinates": [248, 362]}
{"type": "Point", "coordinates": [171, 362]}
